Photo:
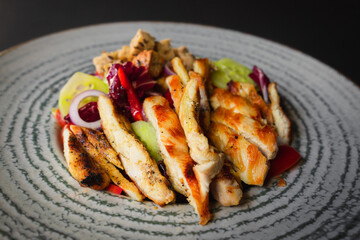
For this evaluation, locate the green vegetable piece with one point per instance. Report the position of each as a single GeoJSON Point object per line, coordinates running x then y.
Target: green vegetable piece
{"type": "Point", "coordinates": [147, 135]}
{"type": "Point", "coordinates": [220, 79]}
{"type": "Point", "coordinates": [229, 70]}
{"type": "Point", "coordinates": [79, 82]}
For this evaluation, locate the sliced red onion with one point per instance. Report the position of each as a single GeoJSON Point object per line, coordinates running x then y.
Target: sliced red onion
{"type": "Point", "coordinates": [144, 84]}
{"type": "Point", "coordinates": [74, 109]}
{"type": "Point", "coordinates": [152, 93]}
{"type": "Point", "coordinates": [167, 69]}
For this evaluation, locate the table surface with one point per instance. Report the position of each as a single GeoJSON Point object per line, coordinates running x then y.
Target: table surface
{"type": "Point", "coordinates": [324, 30]}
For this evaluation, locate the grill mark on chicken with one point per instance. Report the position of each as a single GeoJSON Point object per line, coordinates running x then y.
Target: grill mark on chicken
{"type": "Point", "coordinates": [80, 164]}
{"type": "Point", "coordinates": [103, 157]}
{"type": "Point", "coordinates": [96, 140]}
{"type": "Point", "coordinates": [92, 179]}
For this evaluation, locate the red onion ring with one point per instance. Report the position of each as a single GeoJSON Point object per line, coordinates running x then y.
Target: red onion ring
{"type": "Point", "coordinates": [74, 109]}
{"type": "Point", "coordinates": [167, 69]}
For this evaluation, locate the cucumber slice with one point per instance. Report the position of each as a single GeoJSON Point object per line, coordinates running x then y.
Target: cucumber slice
{"type": "Point", "coordinates": [147, 135]}
{"type": "Point", "coordinates": [228, 70]}
{"type": "Point", "coordinates": [220, 79]}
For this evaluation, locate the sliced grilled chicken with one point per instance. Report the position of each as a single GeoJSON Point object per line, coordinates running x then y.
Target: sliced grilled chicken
{"type": "Point", "coordinates": [204, 113]}
{"type": "Point", "coordinates": [238, 104]}
{"type": "Point", "coordinates": [281, 121]}
{"type": "Point", "coordinates": [99, 142]}
{"type": "Point", "coordinates": [249, 163]}
{"type": "Point", "coordinates": [80, 164]}
{"type": "Point", "coordinates": [248, 91]}
{"type": "Point", "coordinates": [172, 142]}
{"type": "Point", "coordinates": [186, 57]}
{"type": "Point", "coordinates": [97, 147]}
{"type": "Point", "coordinates": [180, 70]}
{"type": "Point", "coordinates": [209, 160]}
{"type": "Point", "coordinates": [176, 90]}
{"type": "Point", "coordinates": [202, 67]}
{"type": "Point", "coordinates": [225, 189]}
{"type": "Point", "coordinates": [137, 162]}
{"type": "Point", "coordinates": [262, 136]}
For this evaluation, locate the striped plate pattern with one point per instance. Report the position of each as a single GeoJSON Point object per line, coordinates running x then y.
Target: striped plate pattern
{"type": "Point", "coordinates": [39, 198]}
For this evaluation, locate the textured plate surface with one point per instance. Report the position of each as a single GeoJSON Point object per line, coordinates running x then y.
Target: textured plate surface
{"type": "Point", "coordinates": [39, 198]}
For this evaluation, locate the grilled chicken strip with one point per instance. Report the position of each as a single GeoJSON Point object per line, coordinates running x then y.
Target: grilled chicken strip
{"type": "Point", "coordinates": [225, 189]}
{"type": "Point", "coordinates": [176, 90]}
{"type": "Point", "coordinates": [80, 164]}
{"type": "Point", "coordinates": [180, 70]}
{"type": "Point", "coordinates": [100, 144]}
{"type": "Point", "coordinates": [248, 162]}
{"type": "Point", "coordinates": [97, 147]}
{"type": "Point", "coordinates": [202, 67]}
{"type": "Point", "coordinates": [204, 114]}
{"type": "Point", "coordinates": [248, 91]}
{"type": "Point", "coordinates": [186, 57]}
{"type": "Point", "coordinates": [209, 160]}
{"type": "Point", "coordinates": [238, 104]}
{"type": "Point", "coordinates": [137, 162]}
{"type": "Point", "coordinates": [281, 121]}
{"type": "Point", "coordinates": [262, 136]}
{"type": "Point", "coordinates": [172, 142]}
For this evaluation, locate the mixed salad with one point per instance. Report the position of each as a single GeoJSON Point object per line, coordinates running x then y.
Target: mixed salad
{"type": "Point", "coordinates": [156, 122]}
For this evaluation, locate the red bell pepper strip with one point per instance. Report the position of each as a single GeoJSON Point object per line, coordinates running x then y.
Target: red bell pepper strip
{"type": "Point", "coordinates": [114, 189]}
{"type": "Point", "coordinates": [284, 160]}
{"type": "Point", "coordinates": [135, 105]}
{"type": "Point", "coordinates": [59, 118]}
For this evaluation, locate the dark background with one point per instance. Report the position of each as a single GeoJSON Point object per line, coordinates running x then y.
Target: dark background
{"type": "Point", "coordinates": [326, 30]}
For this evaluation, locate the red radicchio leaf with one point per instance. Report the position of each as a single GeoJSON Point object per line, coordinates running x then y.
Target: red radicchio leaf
{"type": "Point", "coordinates": [138, 76]}
{"type": "Point", "coordinates": [116, 92]}
{"type": "Point", "coordinates": [261, 80]}
{"type": "Point", "coordinates": [168, 97]}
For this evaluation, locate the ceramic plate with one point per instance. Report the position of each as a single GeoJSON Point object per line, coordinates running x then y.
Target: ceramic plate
{"type": "Point", "coordinates": [40, 200]}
